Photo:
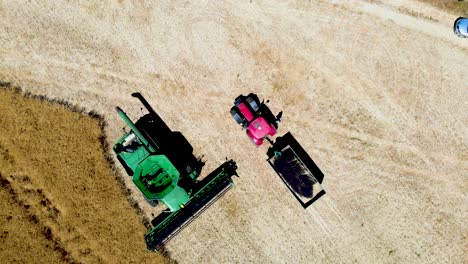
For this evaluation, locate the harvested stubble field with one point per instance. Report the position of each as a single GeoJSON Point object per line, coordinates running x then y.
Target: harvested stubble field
{"type": "Point", "coordinates": [375, 91]}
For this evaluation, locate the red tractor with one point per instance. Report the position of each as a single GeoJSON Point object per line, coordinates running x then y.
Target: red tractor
{"type": "Point", "coordinates": [286, 156]}
{"type": "Point", "coordinates": [255, 117]}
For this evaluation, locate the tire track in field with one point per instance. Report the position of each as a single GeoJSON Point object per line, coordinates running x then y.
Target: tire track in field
{"type": "Point", "coordinates": [385, 12]}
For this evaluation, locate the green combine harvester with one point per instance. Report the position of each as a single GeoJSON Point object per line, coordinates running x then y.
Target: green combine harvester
{"type": "Point", "coordinates": [165, 170]}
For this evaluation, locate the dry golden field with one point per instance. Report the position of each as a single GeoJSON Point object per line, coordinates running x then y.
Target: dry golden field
{"type": "Point", "coordinates": [375, 91]}
{"type": "Point", "coordinates": [60, 201]}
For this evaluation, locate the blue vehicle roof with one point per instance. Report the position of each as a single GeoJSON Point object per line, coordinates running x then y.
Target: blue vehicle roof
{"type": "Point", "coordinates": [461, 26]}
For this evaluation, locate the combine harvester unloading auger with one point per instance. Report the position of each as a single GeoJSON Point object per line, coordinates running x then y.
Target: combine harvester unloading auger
{"type": "Point", "coordinates": [287, 157]}
{"type": "Point", "coordinates": [165, 170]}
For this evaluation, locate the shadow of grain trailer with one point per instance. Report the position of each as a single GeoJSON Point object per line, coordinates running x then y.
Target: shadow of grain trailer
{"type": "Point", "coordinates": [296, 169]}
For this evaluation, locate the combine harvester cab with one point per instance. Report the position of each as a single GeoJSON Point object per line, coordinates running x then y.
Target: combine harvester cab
{"type": "Point", "coordinates": [165, 170]}
{"type": "Point", "coordinates": [297, 169]}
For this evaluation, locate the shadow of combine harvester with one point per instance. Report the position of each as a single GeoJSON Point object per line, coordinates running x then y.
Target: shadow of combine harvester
{"type": "Point", "coordinates": [171, 143]}
{"type": "Point", "coordinates": [297, 169]}
{"type": "Point", "coordinates": [163, 167]}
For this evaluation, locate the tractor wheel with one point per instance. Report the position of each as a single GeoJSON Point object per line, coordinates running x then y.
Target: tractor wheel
{"type": "Point", "coordinates": [253, 103]}
{"type": "Point", "coordinates": [236, 115]}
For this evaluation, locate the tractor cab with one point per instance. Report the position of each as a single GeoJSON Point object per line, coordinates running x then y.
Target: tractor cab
{"type": "Point", "coordinates": [255, 117]}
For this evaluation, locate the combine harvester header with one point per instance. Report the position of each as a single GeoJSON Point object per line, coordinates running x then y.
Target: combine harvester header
{"type": "Point", "coordinates": [168, 224]}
